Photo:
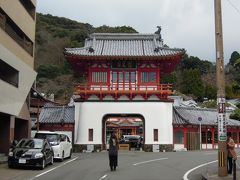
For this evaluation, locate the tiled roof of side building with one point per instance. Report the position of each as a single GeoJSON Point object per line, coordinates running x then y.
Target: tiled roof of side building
{"type": "Point", "coordinates": [190, 115]}
{"type": "Point", "coordinates": [124, 44]}
{"type": "Point", "coordinates": [57, 114]}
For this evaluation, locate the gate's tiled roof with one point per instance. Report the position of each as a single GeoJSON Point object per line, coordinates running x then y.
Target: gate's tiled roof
{"type": "Point", "coordinates": [189, 115]}
{"type": "Point", "coordinates": [57, 114]}
{"type": "Point", "coordinates": [124, 44]}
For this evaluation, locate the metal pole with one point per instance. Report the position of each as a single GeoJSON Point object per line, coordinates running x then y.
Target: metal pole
{"type": "Point", "coordinates": [200, 135]}
{"type": "Point", "coordinates": [222, 132]}
{"type": "Point", "coordinates": [37, 114]}
{"type": "Point", "coordinates": [234, 169]}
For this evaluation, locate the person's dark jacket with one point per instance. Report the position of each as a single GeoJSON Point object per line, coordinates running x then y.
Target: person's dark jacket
{"type": "Point", "coordinates": [113, 147]}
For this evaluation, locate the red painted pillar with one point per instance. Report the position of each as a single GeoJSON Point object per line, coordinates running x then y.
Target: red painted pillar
{"type": "Point", "coordinates": [185, 137]}
{"type": "Point", "coordinates": [212, 137]}
{"type": "Point", "coordinates": [237, 138]}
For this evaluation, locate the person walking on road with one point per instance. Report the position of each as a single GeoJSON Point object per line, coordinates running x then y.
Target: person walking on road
{"type": "Point", "coordinates": [113, 152]}
{"type": "Point", "coordinates": [231, 154]}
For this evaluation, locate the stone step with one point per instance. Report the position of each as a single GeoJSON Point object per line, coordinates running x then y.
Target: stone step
{"type": "Point", "coordinates": [3, 158]}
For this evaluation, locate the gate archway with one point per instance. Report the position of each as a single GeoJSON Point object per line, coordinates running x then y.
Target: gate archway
{"type": "Point", "coordinates": [106, 131]}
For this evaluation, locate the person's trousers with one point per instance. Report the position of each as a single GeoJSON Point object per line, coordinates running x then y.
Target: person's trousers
{"type": "Point", "coordinates": [230, 164]}
{"type": "Point", "coordinates": [113, 161]}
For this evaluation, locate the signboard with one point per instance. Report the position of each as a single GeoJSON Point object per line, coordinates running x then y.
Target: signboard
{"type": "Point", "coordinates": [222, 132]}
{"type": "Point", "coordinates": [124, 64]}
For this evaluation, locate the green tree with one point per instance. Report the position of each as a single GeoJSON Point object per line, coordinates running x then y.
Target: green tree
{"type": "Point", "coordinates": [234, 56]}
{"type": "Point", "coordinates": [48, 71]}
{"type": "Point", "coordinates": [235, 115]}
{"type": "Point", "coordinates": [237, 64]}
{"type": "Point", "coordinates": [210, 91]}
{"type": "Point", "coordinates": [229, 92]}
{"type": "Point", "coordinates": [192, 83]}
{"type": "Point", "coordinates": [169, 78]}
{"type": "Point", "coordinates": [191, 62]}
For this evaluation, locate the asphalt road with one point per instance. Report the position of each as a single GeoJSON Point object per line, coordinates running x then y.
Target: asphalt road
{"type": "Point", "coordinates": [131, 166]}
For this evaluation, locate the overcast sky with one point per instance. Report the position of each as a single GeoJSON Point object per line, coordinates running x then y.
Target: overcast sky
{"type": "Point", "coordinates": [185, 24]}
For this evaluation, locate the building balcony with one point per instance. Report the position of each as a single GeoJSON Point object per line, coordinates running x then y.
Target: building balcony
{"type": "Point", "coordinates": [162, 91]}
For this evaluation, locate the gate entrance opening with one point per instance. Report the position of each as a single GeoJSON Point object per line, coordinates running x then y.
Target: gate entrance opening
{"type": "Point", "coordinates": [129, 128]}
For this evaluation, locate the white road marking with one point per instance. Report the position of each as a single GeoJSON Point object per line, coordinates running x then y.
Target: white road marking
{"type": "Point", "coordinates": [54, 168]}
{"type": "Point", "coordinates": [103, 177]}
{"type": "Point", "coordinates": [143, 162]}
{"type": "Point", "coordinates": [185, 177]}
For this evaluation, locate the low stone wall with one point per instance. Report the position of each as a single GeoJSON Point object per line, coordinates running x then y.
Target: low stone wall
{"type": "Point", "coordinates": [98, 147]}
{"type": "Point", "coordinates": [83, 147]}
{"type": "Point", "coordinates": [162, 148]}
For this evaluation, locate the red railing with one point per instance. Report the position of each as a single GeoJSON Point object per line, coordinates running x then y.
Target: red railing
{"type": "Point", "coordinates": [161, 90]}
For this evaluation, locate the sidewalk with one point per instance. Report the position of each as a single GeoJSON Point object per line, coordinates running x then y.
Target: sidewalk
{"type": "Point", "coordinates": [212, 173]}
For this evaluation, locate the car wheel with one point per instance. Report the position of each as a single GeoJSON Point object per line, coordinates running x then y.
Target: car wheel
{"type": "Point", "coordinates": [62, 156]}
{"type": "Point", "coordinates": [70, 155]}
{"type": "Point", "coordinates": [10, 166]}
{"type": "Point", "coordinates": [51, 162]}
{"type": "Point", "coordinates": [43, 164]}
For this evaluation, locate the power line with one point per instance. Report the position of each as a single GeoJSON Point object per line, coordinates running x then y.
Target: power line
{"type": "Point", "coordinates": [234, 6]}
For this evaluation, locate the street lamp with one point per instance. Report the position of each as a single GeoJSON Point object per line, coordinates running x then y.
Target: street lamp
{"type": "Point", "coordinates": [200, 132]}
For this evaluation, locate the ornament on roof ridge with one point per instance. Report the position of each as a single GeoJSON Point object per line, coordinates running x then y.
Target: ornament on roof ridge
{"type": "Point", "coordinates": [159, 32]}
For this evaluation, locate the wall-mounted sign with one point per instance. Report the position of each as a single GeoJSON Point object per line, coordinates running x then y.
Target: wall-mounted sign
{"type": "Point", "coordinates": [124, 64]}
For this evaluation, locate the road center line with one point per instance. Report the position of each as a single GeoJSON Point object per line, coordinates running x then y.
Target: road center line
{"type": "Point", "coordinates": [143, 162]}
{"type": "Point", "coordinates": [54, 168]}
{"type": "Point", "coordinates": [103, 177]}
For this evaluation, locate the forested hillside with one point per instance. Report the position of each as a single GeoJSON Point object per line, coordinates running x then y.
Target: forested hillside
{"type": "Point", "coordinates": [53, 34]}
{"type": "Point", "coordinates": [193, 76]}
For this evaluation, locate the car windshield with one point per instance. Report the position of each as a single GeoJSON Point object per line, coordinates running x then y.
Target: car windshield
{"type": "Point", "coordinates": [30, 143]}
{"type": "Point", "coordinates": [50, 137]}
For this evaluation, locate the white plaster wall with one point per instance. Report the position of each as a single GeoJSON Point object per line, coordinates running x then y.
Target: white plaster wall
{"type": "Point", "coordinates": [12, 98]}
{"type": "Point", "coordinates": [89, 115]}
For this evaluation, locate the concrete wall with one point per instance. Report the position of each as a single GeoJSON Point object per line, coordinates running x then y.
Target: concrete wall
{"type": "Point", "coordinates": [89, 115]}
{"type": "Point", "coordinates": [12, 98]}
{"type": "Point", "coordinates": [25, 22]}
{"type": "Point", "coordinates": [20, 16]}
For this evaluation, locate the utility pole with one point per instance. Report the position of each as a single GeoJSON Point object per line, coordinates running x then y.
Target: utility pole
{"type": "Point", "coordinates": [222, 130]}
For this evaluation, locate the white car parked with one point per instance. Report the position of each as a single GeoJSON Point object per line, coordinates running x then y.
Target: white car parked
{"type": "Point", "coordinates": [61, 144]}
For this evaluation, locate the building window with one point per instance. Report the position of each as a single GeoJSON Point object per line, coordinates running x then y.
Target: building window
{"type": "Point", "coordinates": [155, 134]}
{"type": "Point", "coordinates": [30, 8]}
{"type": "Point", "coordinates": [9, 74]}
{"type": "Point", "coordinates": [147, 77]}
{"type": "Point", "coordinates": [99, 77]}
{"type": "Point", "coordinates": [179, 137]}
{"type": "Point", "coordinates": [124, 76]}
{"type": "Point", "coordinates": [9, 26]}
{"type": "Point", "coordinates": [90, 134]}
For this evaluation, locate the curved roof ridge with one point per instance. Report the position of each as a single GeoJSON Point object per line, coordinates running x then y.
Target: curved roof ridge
{"type": "Point", "coordinates": [175, 110]}
{"type": "Point", "coordinates": [123, 36]}
{"type": "Point", "coordinates": [196, 108]}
